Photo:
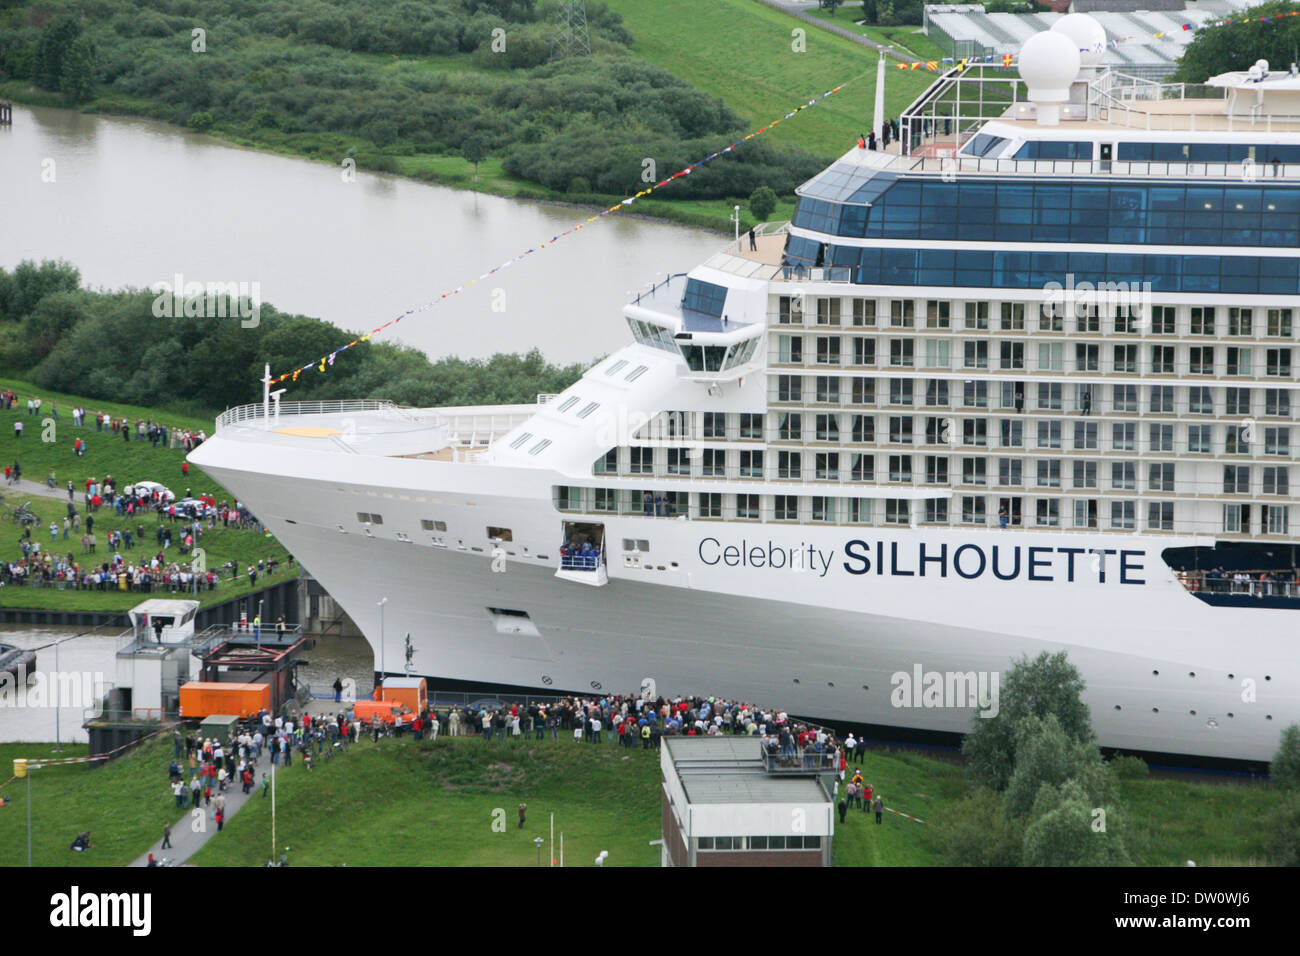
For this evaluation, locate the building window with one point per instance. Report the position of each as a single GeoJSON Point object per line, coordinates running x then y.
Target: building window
{"type": "Point", "coordinates": [864, 391]}
{"type": "Point", "coordinates": [1048, 512]}
{"type": "Point", "coordinates": [789, 426]}
{"type": "Point", "coordinates": [1198, 439]}
{"type": "Point", "coordinates": [972, 510]}
{"type": "Point", "coordinates": [1160, 516]}
{"type": "Point", "coordinates": [898, 511]}
{"type": "Point", "coordinates": [1278, 362]}
{"type": "Point", "coordinates": [937, 314]}
{"type": "Point", "coordinates": [679, 461]}
{"type": "Point", "coordinates": [828, 389]}
{"type": "Point", "coordinates": [828, 428]}
{"type": "Point", "coordinates": [1126, 358]}
{"type": "Point", "coordinates": [789, 388]}
{"type": "Point", "coordinates": [1010, 472]}
{"type": "Point", "coordinates": [864, 312]}
{"type": "Point", "coordinates": [1163, 319]}
{"type": "Point", "coordinates": [1121, 514]}
{"type": "Point", "coordinates": [786, 507]}
{"type": "Point", "coordinates": [900, 468]}
{"type": "Point", "coordinates": [902, 313]}
{"type": "Point", "coordinates": [1162, 398]}
{"type": "Point", "coordinates": [862, 467]}
{"type": "Point", "coordinates": [864, 430]}
{"type": "Point", "coordinates": [976, 355]}
{"type": "Point", "coordinates": [747, 507]}
{"type": "Point", "coordinates": [1202, 320]}
{"type": "Point", "coordinates": [641, 461]}
{"type": "Point", "coordinates": [1085, 435]}
{"type": "Point", "coordinates": [1239, 361]}
{"type": "Point", "coordinates": [1049, 395]}
{"type": "Point", "coordinates": [1049, 473]}
{"type": "Point", "coordinates": [828, 350]}
{"type": "Point", "coordinates": [936, 512]}
{"type": "Point", "coordinates": [864, 350]}
{"type": "Point", "coordinates": [1277, 519]}
{"type": "Point", "coordinates": [977, 315]}
{"type": "Point", "coordinates": [789, 464]}
{"type": "Point", "coordinates": [900, 430]}
{"type": "Point", "coordinates": [828, 466]}
{"type": "Point", "coordinates": [1162, 438]}
{"type": "Point", "coordinates": [1123, 474]}
{"type": "Point", "coordinates": [1160, 477]}
{"type": "Point", "coordinates": [936, 393]}
{"type": "Point", "coordinates": [902, 352]}
{"type": "Point", "coordinates": [1049, 434]}
{"type": "Point", "coordinates": [1085, 474]}
{"type": "Point", "coordinates": [1011, 433]}
{"type": "Point", "coordinates": [1277, 480]}
{"type": "Point", "coordinates": [1279, 323]}
{"type": "Point", "coordinates": [751, 464]}
{"type": "Point", "coordinates": [1277, 401]}
{"type": "Point", "coordinates": [974, 471]}
{"type": "Point", "coordinates": [1277, 441]}
{"type": "Point", "coordinates": [1012, 317]}
{"type": "Point", "coordinates": [1239, 321]}
{"type": "Point", "coordinates": [900, 391]}
{"type": "Point", "coordinates": [751, 426]}
{"type": "Point", "coordinates": [828, 311]}
{"type": "Point", "coordinates": [1236, 479]}
{"type": "Point", "coordinates": [1202, 360]}
{"type": "Point", "coordinates": [823, 508]}
{"type": "Point", "coordinates": [1012, 355]}
{"type": "Point", "coordinates": [714, 463]}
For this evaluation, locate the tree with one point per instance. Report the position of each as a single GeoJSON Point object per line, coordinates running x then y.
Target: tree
{"type": "Point", "coordinates": [201, 121]}
{"type": "Point", "coordinates": [1046, 756]}
{"type": "Point", "coordinates": [761, 203]}
{"type": "Point", "coordinates": [56, 39]}
{"type": "Point", "coordinates": [1066, 831]}
{"type": "Point", "coordinates": [1215, 50]}
{"type": "Point", "coordinates": [1284, 825]}
{"type": "Point", "coordinates": [1049, 684]}
{"type": "Point", "coordinates": [1285, 767]}
{"type": "Point", "coordinates": [474, 149]}
{"type": "Point", "coordinates": [30, 282]}
{"type": "Point", "coordinates": [80, 70]}
{"type": "Point", "coordinates": [976, 831]}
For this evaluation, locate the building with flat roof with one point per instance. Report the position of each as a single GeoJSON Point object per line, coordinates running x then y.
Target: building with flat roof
{"type": "Point", "coordinates": [727, 804]}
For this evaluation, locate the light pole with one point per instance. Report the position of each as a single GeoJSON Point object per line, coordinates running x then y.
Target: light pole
{"type": "Point", "coordinates": [735, 218]}
{"type": "Point", "coordinates": [383, 667]}
{"type": "Point", "coordinates": [538, 842]}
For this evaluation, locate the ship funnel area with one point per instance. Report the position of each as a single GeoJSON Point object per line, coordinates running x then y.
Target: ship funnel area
{"type": "Point", "coordinates": [1049, 64]}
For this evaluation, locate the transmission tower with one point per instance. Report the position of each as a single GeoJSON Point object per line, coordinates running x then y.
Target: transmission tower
{"type": "Point", "coordinates": [571, 38]}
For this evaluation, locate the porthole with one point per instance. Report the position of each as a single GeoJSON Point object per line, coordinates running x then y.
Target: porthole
{"type": "Point", "coordinates": [1117, 707]}
{"type": "Point", "coordinates": [866, 687]}
{"type": "Point", "coordinates": [1192, 712]}
{"type": "Point", "coordinates": [1155, 673]}
{"type": "Point", "coordinates": [1231, 676]}
{"type": "Point", "coordinates": [1268, 716]}
{"type": "Point", "coordinates": [546, 679]}
{"type": "Point", "coordinates": [1191, 673]}
{"type": "Point", "coordinates": [796, 680]}
{"type": "Point", "coordinates": [595, 685]}
{"type": "Point", "coordinates": [830, 683]}
{"type": "Point", "coordinates": [1155, 710]}
{"type": "Point", "coordinates": [1230, 714]}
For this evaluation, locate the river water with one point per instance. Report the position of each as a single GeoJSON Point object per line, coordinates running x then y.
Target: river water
{"type": "Point", "coordinates": [133, 202]}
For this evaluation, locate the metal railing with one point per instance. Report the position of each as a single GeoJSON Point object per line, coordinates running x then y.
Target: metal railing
{"type": "Point", "coordinates": [256, 412]}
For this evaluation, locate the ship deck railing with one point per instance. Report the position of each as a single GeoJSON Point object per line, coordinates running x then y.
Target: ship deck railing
{"type": "Point", "coordinates": [242, 414]}
{"type": "Point", "coordinates": [1253, 586]}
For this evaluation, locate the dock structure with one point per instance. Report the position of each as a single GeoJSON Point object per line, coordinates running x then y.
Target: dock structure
{"type": "Point", "coordinates": [6, 113]}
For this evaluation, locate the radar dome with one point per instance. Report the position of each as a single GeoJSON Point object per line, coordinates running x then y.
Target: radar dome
{"type": "Point", "coordinates": [1088, 35]}
{"type": "Point", "coordinates": [1049, 62]}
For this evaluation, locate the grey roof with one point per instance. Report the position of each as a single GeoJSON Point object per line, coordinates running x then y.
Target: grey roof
{"type": "Point", "coordinates": [726, 769]}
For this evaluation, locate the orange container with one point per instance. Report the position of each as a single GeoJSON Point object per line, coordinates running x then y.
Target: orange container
{"type": "Point", "coordinates": [203, 699]}
{"type": "Point", "coordinates": [410, 692]}
{"type": "Point", "coordinates": [365, 710]}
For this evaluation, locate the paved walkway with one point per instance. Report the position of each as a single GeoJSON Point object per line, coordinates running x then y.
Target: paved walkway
{"type": "Point", "coordinates": [15, 494]}
{"type": "Point", "coordinates": [186, 841]}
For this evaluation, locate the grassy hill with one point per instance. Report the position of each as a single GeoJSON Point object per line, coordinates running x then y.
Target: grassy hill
{"type": "Point", "coordinates": [128, 462]}
{"type": "Point", "coordinates": [403, 802]}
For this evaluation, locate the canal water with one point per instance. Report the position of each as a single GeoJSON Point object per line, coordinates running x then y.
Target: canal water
{"type": "Point", "coordinates": [132, 202]}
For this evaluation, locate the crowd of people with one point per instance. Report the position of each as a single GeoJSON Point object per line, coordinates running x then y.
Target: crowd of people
{"type": "Point", "coordinates": [156, 433]}
{"type": "Point", "coordinates": [1275, 583]}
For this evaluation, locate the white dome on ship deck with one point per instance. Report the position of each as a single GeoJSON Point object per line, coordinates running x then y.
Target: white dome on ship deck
{"type": "Point", "coordinates": [1049, 62]}
{"type": "Point", "coordinates": [1088, 35]}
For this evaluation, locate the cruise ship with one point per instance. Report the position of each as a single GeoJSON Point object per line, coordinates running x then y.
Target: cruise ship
{"type": "Point", "coordinates": [1022, 380]}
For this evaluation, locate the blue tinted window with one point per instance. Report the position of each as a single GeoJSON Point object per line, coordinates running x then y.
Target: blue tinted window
{"type": "Point", "coordinates": [1050, 149]}
{"type": "Point", "coordinates": [704, 297]}
{"type": "Point", "coordinates": [978, 210]}
{"type": "Point", "coordinates": [1023, 270]}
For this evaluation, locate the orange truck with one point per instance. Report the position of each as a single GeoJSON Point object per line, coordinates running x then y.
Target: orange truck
{"type": "Point", "coordinates": [203, 699]}
{"type": "Point", "coordinates": [365, 710]}
{"type": "Point", "coordinates": [410, 692]}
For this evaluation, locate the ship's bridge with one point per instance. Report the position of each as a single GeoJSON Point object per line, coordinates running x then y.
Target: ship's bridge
{"type": "Point", "coordinates": [713, 321]}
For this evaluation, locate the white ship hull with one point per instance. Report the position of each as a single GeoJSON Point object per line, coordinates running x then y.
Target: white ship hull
{"type": "Point", "coordinates": [1165, 672]}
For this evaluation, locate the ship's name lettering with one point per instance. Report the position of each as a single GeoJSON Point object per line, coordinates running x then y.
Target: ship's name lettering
{"type": "Point", "coordinates": [1004, 562]}
{"type": "Point", "coordinates": [804, 557]}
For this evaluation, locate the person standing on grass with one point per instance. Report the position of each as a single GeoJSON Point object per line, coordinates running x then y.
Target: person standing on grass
{"type": "Point", "coordinates": [879, 806]}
